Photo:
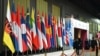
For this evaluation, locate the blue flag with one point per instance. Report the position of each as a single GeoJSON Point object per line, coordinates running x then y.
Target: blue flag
{"type": "Point", "coordinates": [68, 29]}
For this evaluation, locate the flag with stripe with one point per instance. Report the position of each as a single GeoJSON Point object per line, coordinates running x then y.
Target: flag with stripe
{"type": "Point", "coordinates": [23, 31]}
{"type": "Point", "coordinates": [38, 23]}
{"type": "Point", "coordinates": [63, 32]}
{"type": "Point", "coordinates": [7, 30]}
{"type": "Point", "coordinates": [35, 40]}
{"type": "Point", "coordinates": [18, 26]}
{"type": "Point", "coordinates": [13, 27]}
{"type": "Point", "coordinates": [45, 45]}
{"type": "Point", "coordinates": [28, 31]}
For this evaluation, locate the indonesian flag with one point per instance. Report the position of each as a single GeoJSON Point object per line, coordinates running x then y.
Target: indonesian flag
{"type": "Point", "coordinates": [59, 34]}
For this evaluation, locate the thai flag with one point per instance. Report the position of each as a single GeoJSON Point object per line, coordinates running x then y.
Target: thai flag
{"type": "Point", "coordinates": [43, 32]}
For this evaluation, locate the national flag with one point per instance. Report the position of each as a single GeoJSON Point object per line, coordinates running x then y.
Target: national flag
{"type": "Point", "coordinates": [38, 23]}
{"type": "Point", "coordinates": [18, 28]}
{"type": "Point", "coordinates": [28, 31]}
{"type": "Point", "coordinates": [43, 30]}
{"type": "Point", "coordinates": [23, 31]}
{"type": "Point", "coordinates": [59, 34]}
{"type": "Point", "coordinates": [64, 41]}
{"type": "Point", "coordinates": [54, 31]}
{"type": "Point", "coordinates": [64, 34]}
{"type": "Point", "coordinates": [48, 31]}
{"type": "Point", "coordinates": [7, 30]}
{"type": "Point", "coordinates": [35, 40]}
{"type": "Point", "coordinates": [13, 27]}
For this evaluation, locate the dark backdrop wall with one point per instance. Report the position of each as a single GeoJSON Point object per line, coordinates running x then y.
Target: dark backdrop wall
{"type": "Point", "coordinates": [1, 25]}
{"type": "Point", "coordinates": [68, 8]}
{"type": "Point", "coordinates": [3, 4]}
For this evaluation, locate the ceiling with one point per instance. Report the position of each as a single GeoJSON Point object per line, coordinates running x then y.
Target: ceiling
{"type": "Point", "coordinates": [91, 6]}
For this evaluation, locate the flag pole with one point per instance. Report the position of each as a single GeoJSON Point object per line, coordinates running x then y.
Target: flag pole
{"type": "Point", "coordinates": [17, 6]}
{"type": "Point", "coordinates": [5, 51]}
{"type": "Point", "coordinates": [13, 2]}
{"type": "Point", "coordinates": [17, 54]}
{"type": "Point", "coordinates": [27, 53]}
{"type": "Point", "coordinates": [38, 9]}
{"type": "Point", "coordinates": [12, 54]}
{"type": "Point", "coordinates": [26, 14]}
{"type": "Point", "coordinates": [44, 16]}
{"type": "Point", "coordinates": [22, 15]}
{"type": "Point", "coordinates": [63, 45]}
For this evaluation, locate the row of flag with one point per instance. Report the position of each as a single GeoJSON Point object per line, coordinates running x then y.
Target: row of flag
{"type": "Point", "coordinates": [25, 32]}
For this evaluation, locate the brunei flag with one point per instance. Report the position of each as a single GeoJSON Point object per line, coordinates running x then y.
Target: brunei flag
{"type": "Point", "coordinates": [7, 30]}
